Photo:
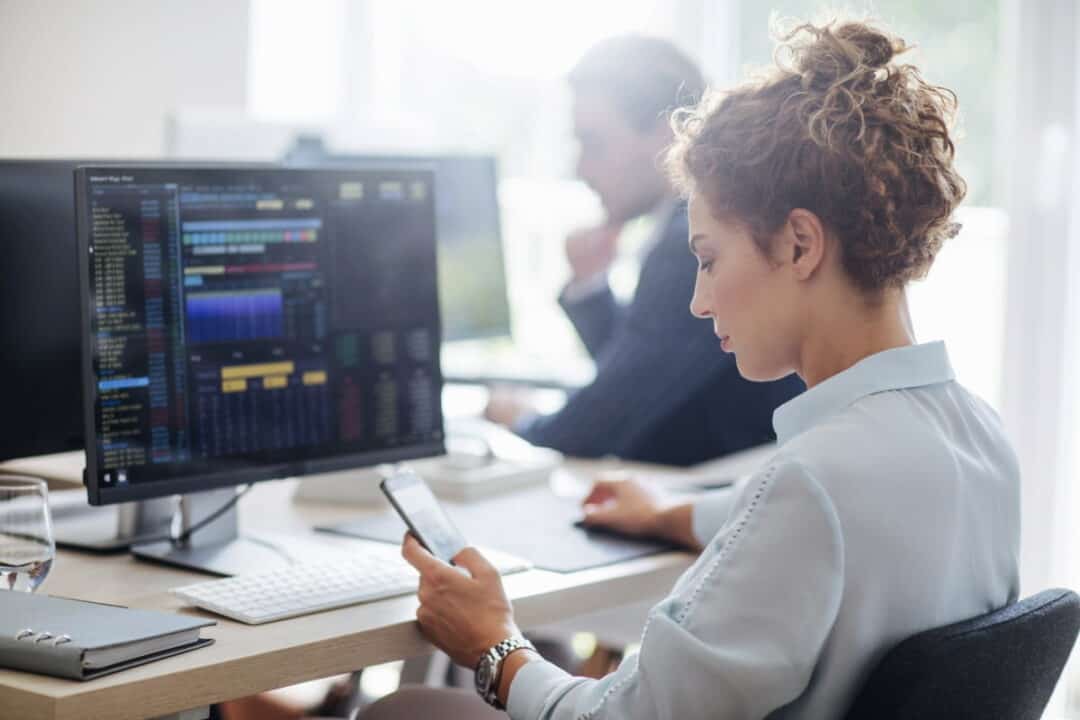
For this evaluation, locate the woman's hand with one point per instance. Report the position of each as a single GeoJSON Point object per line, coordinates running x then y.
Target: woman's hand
{"type": "Point", "coordinates": [463, 615]}
{"type": "Point", "coordinates": [624, 505]}
{"type": "Point", "coordinates": [630, 507]}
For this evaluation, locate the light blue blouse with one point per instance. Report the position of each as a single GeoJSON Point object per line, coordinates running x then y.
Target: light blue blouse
{"type": "Point", "coordinates": [892, 506]}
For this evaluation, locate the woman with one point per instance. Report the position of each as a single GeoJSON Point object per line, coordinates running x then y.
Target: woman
{"type": "Point", "coordinates": [892, 504]}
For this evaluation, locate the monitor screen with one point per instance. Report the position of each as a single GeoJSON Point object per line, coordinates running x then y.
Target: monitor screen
{"type": "Point", "coordinates": [243, 324]}
{"type": "Point", "coordinates": [40, 389]}
{"type": "Point", "coordinates": [39, 293]}
{"type": "Point", "coordinates": [472, 276]}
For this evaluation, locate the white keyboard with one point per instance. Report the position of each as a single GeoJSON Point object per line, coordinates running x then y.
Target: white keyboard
{"type": "Point", "coordinates": [301, 589]}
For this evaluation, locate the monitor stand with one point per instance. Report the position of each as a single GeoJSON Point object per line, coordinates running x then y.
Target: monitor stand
{"type": "Point", "coordinates": [111, 528]}
{"type": "Point", "coordinates": [217, 548]}
{"type": "Point", "coordinates": [78, 525]}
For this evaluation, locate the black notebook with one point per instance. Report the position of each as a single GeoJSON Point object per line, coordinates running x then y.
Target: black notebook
{"type": "Point", "coordinates": [84, 640]}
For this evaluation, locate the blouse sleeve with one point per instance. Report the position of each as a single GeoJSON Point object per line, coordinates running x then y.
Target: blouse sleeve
{"type": "Point", "coordinates": [711, 512]}
{"type": "Point", "coordinates": [741, 631]}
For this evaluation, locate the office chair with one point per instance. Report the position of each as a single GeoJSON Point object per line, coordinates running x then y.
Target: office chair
{"type": "Point", "coordinates": [1001, 665]}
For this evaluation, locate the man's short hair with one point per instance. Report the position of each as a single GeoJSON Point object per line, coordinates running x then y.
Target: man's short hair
{"type": "Point", "coordinates": [647, 77]}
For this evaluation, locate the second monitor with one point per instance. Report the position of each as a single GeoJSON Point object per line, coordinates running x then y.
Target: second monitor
{"type": "Point", "coordinates": [472, 276]}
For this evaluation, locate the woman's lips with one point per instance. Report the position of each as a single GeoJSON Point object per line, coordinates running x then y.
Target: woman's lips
{"type": "Point", "coordinates": [725, 342]}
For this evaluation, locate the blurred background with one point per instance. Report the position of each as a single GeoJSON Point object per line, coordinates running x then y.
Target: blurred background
{"type": "Point", "coordinates": [269, 79]}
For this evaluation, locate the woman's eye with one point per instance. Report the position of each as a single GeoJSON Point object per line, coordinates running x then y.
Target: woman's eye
{"type": "Point", "coordinates": [704, 265]}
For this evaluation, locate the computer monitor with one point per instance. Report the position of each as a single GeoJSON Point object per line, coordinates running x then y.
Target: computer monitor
{"type": "Point", "coordinates": [40, 371]}
{"type": "Point", "coordinates": [242, 324]}
{"type": "Point", "coordinates": [472, 275]}
{"type": "Point", "coordinates": [40, 387]}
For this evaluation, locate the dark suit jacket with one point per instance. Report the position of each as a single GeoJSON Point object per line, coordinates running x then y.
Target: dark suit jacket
{"type": "Point", "coordinates": [664, 391]}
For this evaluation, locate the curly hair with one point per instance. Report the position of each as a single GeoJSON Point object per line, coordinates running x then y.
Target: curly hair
{"type": "Point", "coordinates": [839, 129]}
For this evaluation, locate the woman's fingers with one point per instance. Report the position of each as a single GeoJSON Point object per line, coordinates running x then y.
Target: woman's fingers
{"type": "Point", "coordinates": [606, 514]}
{"type": "Point", "coordinates": [414, 553]}
{"type": "Point", "coordinates": [461, 615]}
{"type": "Point", "coordinates": [426, 564]}
{"type": "Point", "coordinates": [477, 565]}
{"type": "Point", "coordinates": [602, 491]}
{"type": "Point", "coordinates": [433, 625]}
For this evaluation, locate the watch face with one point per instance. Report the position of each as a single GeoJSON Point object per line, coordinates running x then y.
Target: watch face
{"type": "Point", "coordinates": [483, 676]}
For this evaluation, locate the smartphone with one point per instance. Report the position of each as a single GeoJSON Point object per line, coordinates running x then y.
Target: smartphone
{"type": "Point", "coordinates": [417, 506]}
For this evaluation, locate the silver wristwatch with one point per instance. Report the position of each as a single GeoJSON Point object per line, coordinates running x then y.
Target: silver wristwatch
{"type": "Point", "coordinates": [489, 668]}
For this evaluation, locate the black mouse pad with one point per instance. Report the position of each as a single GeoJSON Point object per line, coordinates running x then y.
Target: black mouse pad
{"type": "Point", "coordinates": [536, 525]}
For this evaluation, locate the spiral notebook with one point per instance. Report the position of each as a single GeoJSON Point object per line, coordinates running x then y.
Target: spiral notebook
{"type": "Point", "coordinates": [84, 640]}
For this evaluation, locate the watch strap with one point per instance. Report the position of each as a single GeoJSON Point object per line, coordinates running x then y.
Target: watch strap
{"type": "Point", "coordinates": [495, 656]}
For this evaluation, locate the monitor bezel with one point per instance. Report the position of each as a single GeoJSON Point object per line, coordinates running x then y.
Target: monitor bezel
{"type": "Point", "coordinates": [247, 474]}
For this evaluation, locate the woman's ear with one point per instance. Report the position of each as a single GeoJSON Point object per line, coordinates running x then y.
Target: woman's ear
{"type": "Point", "coordinates": [806, 244]}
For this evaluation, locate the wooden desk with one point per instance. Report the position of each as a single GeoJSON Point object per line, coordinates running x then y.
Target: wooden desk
{"type": "Point", "coordinates": [248, 659]}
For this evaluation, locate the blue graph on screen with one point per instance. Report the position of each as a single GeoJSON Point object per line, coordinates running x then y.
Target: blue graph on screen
{"type": "Point", "coordinates": [235, 315]}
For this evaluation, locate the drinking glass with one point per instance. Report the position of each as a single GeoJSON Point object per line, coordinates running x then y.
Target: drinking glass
{"type": "Point", "coordinates": [27, 547]}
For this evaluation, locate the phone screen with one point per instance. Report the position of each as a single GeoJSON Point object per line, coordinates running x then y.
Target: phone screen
{"type": "Point", "coordinates": [420, 510]}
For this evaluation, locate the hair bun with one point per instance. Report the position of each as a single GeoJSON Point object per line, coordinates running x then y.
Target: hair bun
{"type": "Point", "coordinates": [876, 48]}
{"type": "Point", "coordinates": [831, 53]}
{"type": "Point", "coordinates": [837, 127]}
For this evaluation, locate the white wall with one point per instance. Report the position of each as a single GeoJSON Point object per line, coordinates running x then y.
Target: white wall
{"type": "Point", "coordinates": [99, 77]}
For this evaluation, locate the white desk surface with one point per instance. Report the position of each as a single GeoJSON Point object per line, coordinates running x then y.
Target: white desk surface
{"type": "Point", "coordinates": [248, 659]}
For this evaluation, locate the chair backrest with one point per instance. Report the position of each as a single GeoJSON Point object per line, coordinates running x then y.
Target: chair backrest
{"type": "Point", "coordinates": [1001, 665]}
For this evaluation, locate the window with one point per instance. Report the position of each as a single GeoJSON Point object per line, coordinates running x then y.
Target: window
{"type": "Point", "coordinates": [489, 76]}
{"type": "Point", "coordinates": [295, 60]}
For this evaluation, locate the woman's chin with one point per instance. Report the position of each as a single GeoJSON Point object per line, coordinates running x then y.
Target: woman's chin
{"type": "Point", "coordinates": [758, 372]}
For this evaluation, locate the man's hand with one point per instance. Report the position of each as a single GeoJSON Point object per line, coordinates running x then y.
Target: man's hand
{"type": "Point", "coordinates": [507, 405]}
{"type": "Point", "coordinates": [591, 250]}
{"type": "Point", "coordinates": [463, 615]}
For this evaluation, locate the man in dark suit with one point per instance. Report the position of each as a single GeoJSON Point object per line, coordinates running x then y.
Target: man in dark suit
{"type": "Point", "coordinates": [662, 393]}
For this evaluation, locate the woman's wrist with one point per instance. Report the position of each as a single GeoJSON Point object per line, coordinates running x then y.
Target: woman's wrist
{"type": "Point", "coordinates": [676, 523]}
{"type": "Point", "coordinates": [493, 638]}
{"type": "Point", "coordinates": [509, 668]}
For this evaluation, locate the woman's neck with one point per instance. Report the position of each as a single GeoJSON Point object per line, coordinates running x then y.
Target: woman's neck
{"type": "Point", "coordinates": [851, 331]}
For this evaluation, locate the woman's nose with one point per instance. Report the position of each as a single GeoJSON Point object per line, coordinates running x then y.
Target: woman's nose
{"type": "Point", "coordinates": [698, 307]}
